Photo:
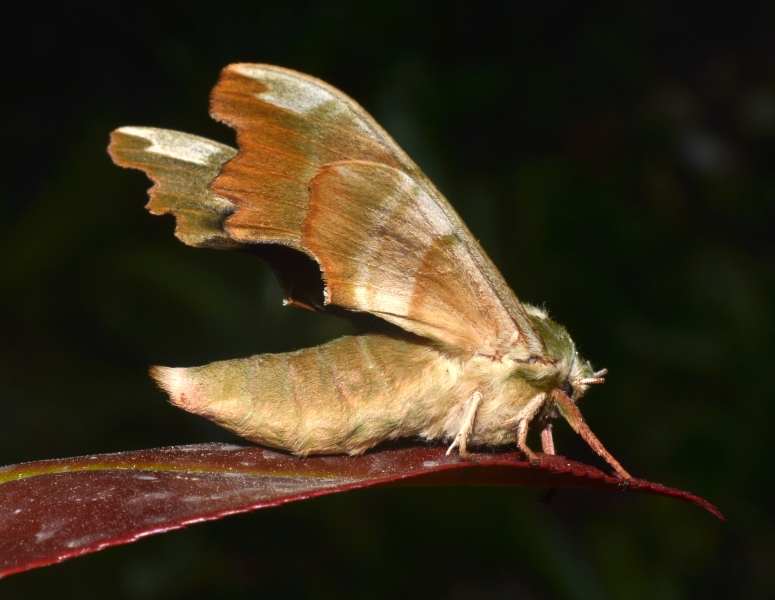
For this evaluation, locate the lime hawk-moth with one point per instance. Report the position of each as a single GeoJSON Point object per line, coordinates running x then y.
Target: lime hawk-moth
{"type": "Point", "coordinates": [350, 225]}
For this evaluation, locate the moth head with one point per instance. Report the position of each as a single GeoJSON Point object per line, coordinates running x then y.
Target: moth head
{"type": "Point", "coordinates": [571, 373]}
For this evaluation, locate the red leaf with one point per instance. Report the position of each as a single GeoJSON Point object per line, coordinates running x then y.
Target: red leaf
{"type": "Point", "coordinates": [56, 509]}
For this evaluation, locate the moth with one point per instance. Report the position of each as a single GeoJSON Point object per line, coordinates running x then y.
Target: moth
{"type": "Point", "coordinates": [351, 226]}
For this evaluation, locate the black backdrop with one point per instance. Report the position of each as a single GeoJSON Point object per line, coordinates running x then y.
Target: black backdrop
{"type": "Point", "coordinates": [617, 162]}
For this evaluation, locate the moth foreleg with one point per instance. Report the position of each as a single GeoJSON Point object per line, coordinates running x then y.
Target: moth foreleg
{"type": "Point", "coordinates": [570, 412]}
{"type": "Point", "coordinates": [467, 427]}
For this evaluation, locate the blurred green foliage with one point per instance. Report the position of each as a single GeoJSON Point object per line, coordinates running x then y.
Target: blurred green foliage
{"type": "Point", "coordinates": [617, 162]}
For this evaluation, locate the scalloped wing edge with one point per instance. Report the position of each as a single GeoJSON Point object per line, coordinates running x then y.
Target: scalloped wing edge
{"type": "Point", "coordinates": [181, 166]}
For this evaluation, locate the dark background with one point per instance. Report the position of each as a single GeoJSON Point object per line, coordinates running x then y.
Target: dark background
{"type": "Point", "coordinates": [617, 162]}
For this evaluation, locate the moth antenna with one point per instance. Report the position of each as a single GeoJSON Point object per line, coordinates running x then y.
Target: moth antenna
{"type": "Point", "coordinates": [597, 377]}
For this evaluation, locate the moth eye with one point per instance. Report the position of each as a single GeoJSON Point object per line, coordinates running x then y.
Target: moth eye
{"type": "Point", "coordinates": [532, 360]}
{"type": "Point", "coordinates": [568, 389]}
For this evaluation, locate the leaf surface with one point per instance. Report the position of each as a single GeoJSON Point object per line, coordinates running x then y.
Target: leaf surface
{"type": "Point", "coordinates": [57, 509]}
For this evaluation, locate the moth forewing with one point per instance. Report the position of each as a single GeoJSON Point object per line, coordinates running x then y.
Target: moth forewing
{"type": "Point", "coordinates": [316, 179]}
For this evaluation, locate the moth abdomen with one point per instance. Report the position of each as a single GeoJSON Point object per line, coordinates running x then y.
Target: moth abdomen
{"type": "Point", "coordinates": [342, 397]}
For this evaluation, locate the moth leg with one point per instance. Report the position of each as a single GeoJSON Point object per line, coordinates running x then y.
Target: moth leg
{"type": "Point", "coordinates": [547, 441]}
{"type": "Point", "coordinates": [467, 427]}
{"type": "Point", "coordinates": [570, 412]}
{"type": "Point", "coordinates": [523, 420]}
{"type": "Point", "coordinates": [522, 440]}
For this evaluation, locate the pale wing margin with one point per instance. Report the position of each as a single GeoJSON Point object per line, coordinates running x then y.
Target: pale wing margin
{"type": "Point", "coordinates": [181, 167]}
